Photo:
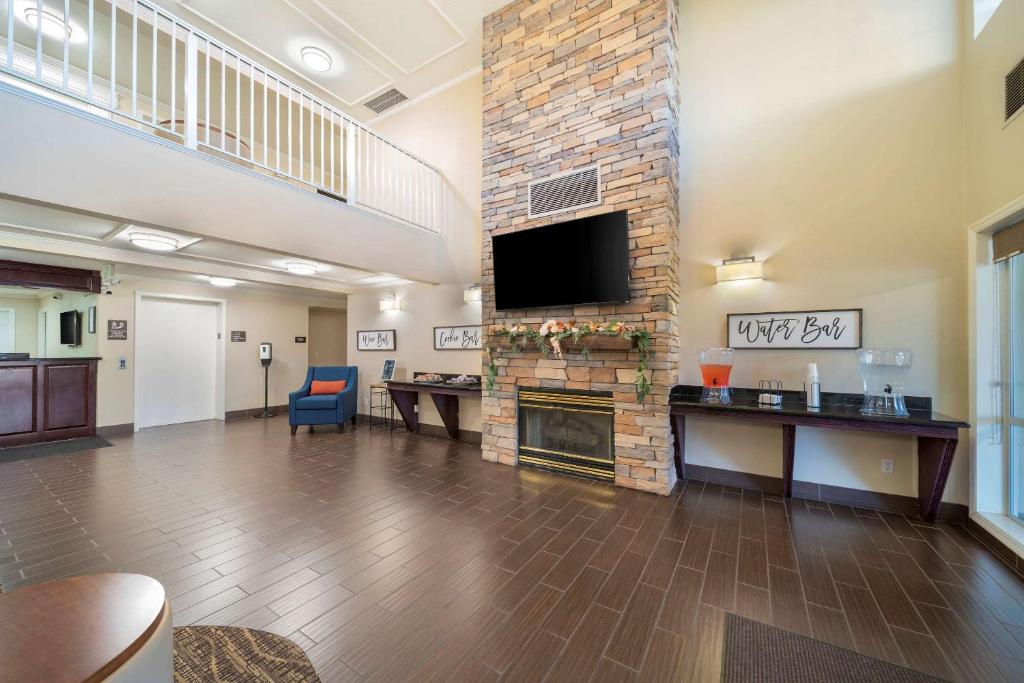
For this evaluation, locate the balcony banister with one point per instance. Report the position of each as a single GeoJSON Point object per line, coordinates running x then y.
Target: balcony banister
{"type": "Point", "coordinates": [187, 93]}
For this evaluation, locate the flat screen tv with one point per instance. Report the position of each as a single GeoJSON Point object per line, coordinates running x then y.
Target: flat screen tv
{"type": "Point", "coordinates": [582, 261]}
{"type": "Point", "coordinates": [71, 328]}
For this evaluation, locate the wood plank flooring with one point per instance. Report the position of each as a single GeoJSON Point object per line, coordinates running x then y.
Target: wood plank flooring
{"type": "Point", "coordinates": [394, 557]}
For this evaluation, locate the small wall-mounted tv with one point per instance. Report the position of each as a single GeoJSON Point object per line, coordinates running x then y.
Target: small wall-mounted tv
{"type": "Point", "coordinates": [71, 328]}
{"type": "Point", "coordinates": [582, 261]}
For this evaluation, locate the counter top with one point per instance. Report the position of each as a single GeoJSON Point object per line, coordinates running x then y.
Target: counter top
{"type": "Point", "coordinates": [834, 406]}
{"type": "Point", "coordinates": [44, 360]}
{"type": "Point", "coordinates": [428, 386]}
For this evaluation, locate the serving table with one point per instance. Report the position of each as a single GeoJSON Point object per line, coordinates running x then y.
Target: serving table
{"type": "Point", "coordinates": [406, 396]}
{"type": "Point", "coordinates": [937, 434]}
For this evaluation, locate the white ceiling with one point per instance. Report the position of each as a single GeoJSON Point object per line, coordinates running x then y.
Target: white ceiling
{"type": "Point", "coordinates": [29, 227]}
{"type": "Point", "coordinates": [416, 46]}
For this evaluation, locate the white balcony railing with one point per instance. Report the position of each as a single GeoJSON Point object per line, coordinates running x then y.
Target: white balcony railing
{"type": "Point", "coordinates": [136, 64]}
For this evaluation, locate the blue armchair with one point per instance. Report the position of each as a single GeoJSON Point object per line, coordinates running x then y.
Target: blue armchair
{"type": "Point", "coordinates": [325, 409]}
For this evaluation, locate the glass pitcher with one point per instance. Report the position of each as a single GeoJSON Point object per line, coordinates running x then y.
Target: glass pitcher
{"type": "Point", "coordinates": [715, 367]}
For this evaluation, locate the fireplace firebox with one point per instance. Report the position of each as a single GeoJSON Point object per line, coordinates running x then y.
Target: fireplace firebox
{"type": "Point", "coordinates": [568, 431]}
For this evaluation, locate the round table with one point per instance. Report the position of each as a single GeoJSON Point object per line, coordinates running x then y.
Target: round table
{"type": "Point", "coordinates": [113, 627]}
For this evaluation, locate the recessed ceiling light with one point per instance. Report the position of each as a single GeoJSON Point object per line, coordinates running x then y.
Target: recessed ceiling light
{"type": "Point", "coordinates": [316, 59]}
{"type": "Point", "coordinates": [223, 281]}
{"type": "Point", "coordinates": [153, 241]}
{"type": "Point", "coordinates": [300, 267]}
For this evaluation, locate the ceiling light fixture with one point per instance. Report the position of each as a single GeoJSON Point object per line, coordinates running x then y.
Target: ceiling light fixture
{"type": "Point", "coordinates": [223, 281]}
{"type": "Point", "coordinates": [316, 59]}
{"type": "Point", "coordinates": [153, 241]}
{"type": "Point", "coordinates": [48, 22]}
{"type": "Point", "coordinates": [301, 267]}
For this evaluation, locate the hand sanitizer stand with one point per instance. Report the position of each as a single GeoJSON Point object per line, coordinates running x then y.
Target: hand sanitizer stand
{"type": "Point", "coordinates": [266, 356]}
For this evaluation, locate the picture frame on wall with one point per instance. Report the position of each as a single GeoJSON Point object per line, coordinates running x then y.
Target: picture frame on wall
{"type": "Point", "coordinates": [818, 329]}
{"type": "Point", "coordinates": [376, 340]}
{"type": "Point", "coordinates": [387, 372]}
{"type": "Point", "coordinates": [458, 338]}
{"type": "Point", "coordinates": [91, 317]}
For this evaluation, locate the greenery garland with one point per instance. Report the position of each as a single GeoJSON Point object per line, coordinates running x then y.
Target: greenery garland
{"type": "Point", "coordinates": [548, 339]}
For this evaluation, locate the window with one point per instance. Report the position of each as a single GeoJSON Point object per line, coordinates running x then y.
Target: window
{"type": "Point", "coordinates": [1014, 383]}
{"type": "Point", "coordinates": [983, 11]}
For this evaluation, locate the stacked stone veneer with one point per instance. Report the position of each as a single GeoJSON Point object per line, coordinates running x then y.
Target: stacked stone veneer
{"type": "Point", "coordinates": [570, 83]}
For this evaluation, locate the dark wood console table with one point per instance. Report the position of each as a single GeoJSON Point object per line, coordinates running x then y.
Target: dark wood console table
{"type": "Point", "coordinates": [406, 396]}
{"type": "Point", "coordinates": [937, 434]}
{"type": "Point", "coordinates": [47, 399]}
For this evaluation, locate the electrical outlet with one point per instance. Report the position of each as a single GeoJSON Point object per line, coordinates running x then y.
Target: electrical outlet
{"type": "Point", "coordinates": [888, 465]}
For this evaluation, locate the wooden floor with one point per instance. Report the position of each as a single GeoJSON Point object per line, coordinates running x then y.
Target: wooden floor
{"type": "Point", "coordinates": [400, 557]}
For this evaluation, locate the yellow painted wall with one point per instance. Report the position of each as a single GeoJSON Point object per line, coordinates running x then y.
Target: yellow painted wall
{"type": "Point", "coordinates": [26, 316]}
{"type": "Point", "coordinates": [827, 138]}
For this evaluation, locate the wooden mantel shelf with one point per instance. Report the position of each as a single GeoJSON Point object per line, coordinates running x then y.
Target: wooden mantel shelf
{"type": "Point", "coordinates": [595, 342]}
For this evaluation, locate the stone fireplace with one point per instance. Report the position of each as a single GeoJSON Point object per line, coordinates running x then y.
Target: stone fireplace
{"type": "Point", "coordinates": [569, 84]}
{"type": "Point", "coordinates": [567, 431]}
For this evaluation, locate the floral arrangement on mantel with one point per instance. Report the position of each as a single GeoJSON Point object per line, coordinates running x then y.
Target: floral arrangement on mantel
{"type": "Point", "coordinates": [548, 339]}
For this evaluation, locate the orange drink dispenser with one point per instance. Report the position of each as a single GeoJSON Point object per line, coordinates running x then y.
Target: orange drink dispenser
{"type": "Point", "coordinates": [715, 367]}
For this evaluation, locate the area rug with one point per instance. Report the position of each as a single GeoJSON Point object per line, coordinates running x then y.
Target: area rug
{"type": "Point", "coordinates": [225, 654]}
{"type": "Point", "coordinates": [757, 652]}
{"type": "Point", "coordinates": [41, 450]}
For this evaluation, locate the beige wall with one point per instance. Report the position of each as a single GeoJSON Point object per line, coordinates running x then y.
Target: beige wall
{"type": "Point", "coordinates": [264, 317]}
{"type": "Point", "coordinates": [69, 301]}
{"type": "Point", "coordinates": [328, 337]}
{"type": "Point", "coordinates": [423, 307]}
{"type": "Point", "coordinates": [995, 174]}
{"type": "Point", "coordinates": [826, 138]}
{"type": "Point", "coordinates": [26, 322]}
{"type": "Point", "coordinates": [447, 131]}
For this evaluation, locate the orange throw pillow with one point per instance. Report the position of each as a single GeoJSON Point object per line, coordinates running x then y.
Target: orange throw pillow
{"type": "Point", "coordinates": [318, 387]}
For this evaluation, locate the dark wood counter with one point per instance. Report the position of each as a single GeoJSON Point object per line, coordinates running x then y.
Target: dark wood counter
{"type": "Point", "coordinates": [47, 399]}
{"type": "Point", "coordinates": [445, 396]}
{"type": "Point", "coordinates": [937, 434]}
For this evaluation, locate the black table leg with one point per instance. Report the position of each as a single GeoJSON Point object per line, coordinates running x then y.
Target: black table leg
{"type": "Point", "coordinates": [788, 451]}
{"type": "Point", "coordinates": [406, 402]}
{"type": "Point", "coordinates": [934, 458]}
{"type": "Point", "coordinates": [679, 433]}
{"type": "Point", "coordinates": [448, 409]}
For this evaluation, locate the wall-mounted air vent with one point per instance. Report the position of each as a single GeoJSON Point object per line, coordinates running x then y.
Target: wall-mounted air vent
{"type": "Point", "coordinates": [568, 191]}
{"type": "Point", "coordinates": [385, 101]}
{"type": "Point", "coordinates": [1014, 91]}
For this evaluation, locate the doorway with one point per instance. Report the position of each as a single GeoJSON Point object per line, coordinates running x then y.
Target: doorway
{"type": "Point", "coordinates": [179, 360]}
{"type": "Point", "coordinates": [328, 336]}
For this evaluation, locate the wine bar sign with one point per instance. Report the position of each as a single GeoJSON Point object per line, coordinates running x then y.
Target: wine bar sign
{"type": "Point", "coordinates": [839, 329]}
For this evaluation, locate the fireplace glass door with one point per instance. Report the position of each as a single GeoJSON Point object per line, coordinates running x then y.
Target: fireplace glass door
{"type": "Point", "coordinates": [567, 432]}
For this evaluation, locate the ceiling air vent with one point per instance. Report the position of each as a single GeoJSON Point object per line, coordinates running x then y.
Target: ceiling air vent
{"type": "Point", "coordinates": [385, 101]}
{"type": "Point", "coordinates": [568, 191]}
{"type": "Point", "coordinates": [1014, 91]}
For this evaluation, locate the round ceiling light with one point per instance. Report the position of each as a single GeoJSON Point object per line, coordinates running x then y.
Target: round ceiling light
{"type": "Point", "coordinates": [300, 267]}
{"type": "Point", "coordinates": [223, 281]}
{"type": "Point", "coordinates": [153, 241]}
{"type": "Point", "coordinates": [50, 23]}
{"type": "Point", "coordinates": [316, 59]}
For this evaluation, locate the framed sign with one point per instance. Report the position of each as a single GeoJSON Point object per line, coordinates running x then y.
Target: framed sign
{"type": "Point", "coordinates": [300, 340]}
{"type": "Point", "coordinates": [388, 371]}
{"type": "Point", "coordinates": [117, 330]}
{"type": "Point", "coordinates": [459, 338]}
{"type": "Point", "coordinates": [837, 329]}
{"type": "Point", "coordinates": [238, 335]}
{"type": "Point", "coordinates": [375, 340]}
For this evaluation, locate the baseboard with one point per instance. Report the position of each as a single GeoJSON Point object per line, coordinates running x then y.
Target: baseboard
{"type": "Point", "coordinates": [126, 429]}
{"type": "Point", "coordinates": [886, 502]}
{"type": "Point", "coordinates": [998, 548]}
{"type": "Point", "coordinates": [466, 435]}
{"type": "Point", "coordinates": [250, 412]}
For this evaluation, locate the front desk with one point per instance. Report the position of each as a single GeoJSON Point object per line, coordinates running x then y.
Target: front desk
{"type": "Point", "coordinates": [47, 399]}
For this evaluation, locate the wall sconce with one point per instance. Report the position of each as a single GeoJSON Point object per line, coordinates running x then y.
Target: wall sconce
{"type": "Point", "coordinates": [472, 293]}
{"type": "Point", "coordinates": [739, 268]}
{"type": "Point", "coordinates": [389, 302]}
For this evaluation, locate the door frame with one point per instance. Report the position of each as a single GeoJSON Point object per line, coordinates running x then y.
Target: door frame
{"type": "Point", "coordinates": [220, 381]}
